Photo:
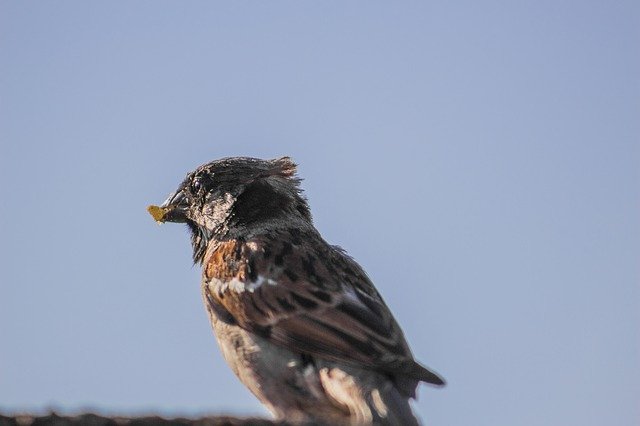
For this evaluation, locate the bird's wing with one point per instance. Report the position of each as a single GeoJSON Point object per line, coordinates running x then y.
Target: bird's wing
{"type": "Point", "coordinates": [320, 303]}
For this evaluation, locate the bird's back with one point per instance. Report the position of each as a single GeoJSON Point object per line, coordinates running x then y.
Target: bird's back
{"type": "Point", "coordinates": [290, 293]}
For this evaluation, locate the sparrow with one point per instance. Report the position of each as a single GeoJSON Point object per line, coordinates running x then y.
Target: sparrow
{"type": "Point", "coordinates": [297, 319]}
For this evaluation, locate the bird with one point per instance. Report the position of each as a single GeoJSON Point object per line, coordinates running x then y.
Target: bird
{"type": "Point", "coordinates": [298, 320]}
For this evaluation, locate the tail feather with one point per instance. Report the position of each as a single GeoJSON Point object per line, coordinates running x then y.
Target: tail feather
{"type": "Point", "coordinates": [369, 397]}
{"type": "Point", "coordinates": [390, 407]}
{"type": "Point", "coordinates": [425, 375]}
{"type": "Point", "coordinates": [409, 373]}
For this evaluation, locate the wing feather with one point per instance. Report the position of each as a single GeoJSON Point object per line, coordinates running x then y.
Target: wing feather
{"type": "Point", "coordinates": [334, 313]}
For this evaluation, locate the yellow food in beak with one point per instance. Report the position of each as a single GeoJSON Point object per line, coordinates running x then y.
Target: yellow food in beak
{"type": "Point", "coordinates": [158, 213]}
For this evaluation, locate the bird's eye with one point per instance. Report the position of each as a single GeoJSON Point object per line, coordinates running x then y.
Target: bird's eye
{"type": "Point", "coordinates": [196, 185]}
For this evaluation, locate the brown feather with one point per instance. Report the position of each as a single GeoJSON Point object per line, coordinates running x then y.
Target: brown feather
{"type": "Point", "coordinates": [337, 318]}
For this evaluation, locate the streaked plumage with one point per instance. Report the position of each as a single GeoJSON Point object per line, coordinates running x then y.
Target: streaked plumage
{"type": "Point", "coordinates": [298, 320]}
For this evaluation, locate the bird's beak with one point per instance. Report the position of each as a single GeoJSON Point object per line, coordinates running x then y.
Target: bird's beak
{"type": "Point", "coordinates": [174, 209]}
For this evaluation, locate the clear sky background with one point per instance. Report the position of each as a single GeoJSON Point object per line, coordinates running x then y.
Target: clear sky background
{"type": "Point", "coordinates": [481, 160]}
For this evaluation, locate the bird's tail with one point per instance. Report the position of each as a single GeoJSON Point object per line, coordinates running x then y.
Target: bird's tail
{"type": "Point", "coordinates": [389, 407]}
{"type": "Point", "coordinates": [367, 397]}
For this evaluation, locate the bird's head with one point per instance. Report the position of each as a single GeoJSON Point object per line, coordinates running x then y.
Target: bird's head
{"type": "Point", "coordinates": [231, 196]}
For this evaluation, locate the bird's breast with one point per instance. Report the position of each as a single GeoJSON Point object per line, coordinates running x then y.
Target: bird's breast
{"type": "Point", "coordinates": [224, 261]}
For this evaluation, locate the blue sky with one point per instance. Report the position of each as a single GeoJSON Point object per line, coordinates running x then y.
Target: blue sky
{"type": "Point", "coordinates": [481, 160]}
